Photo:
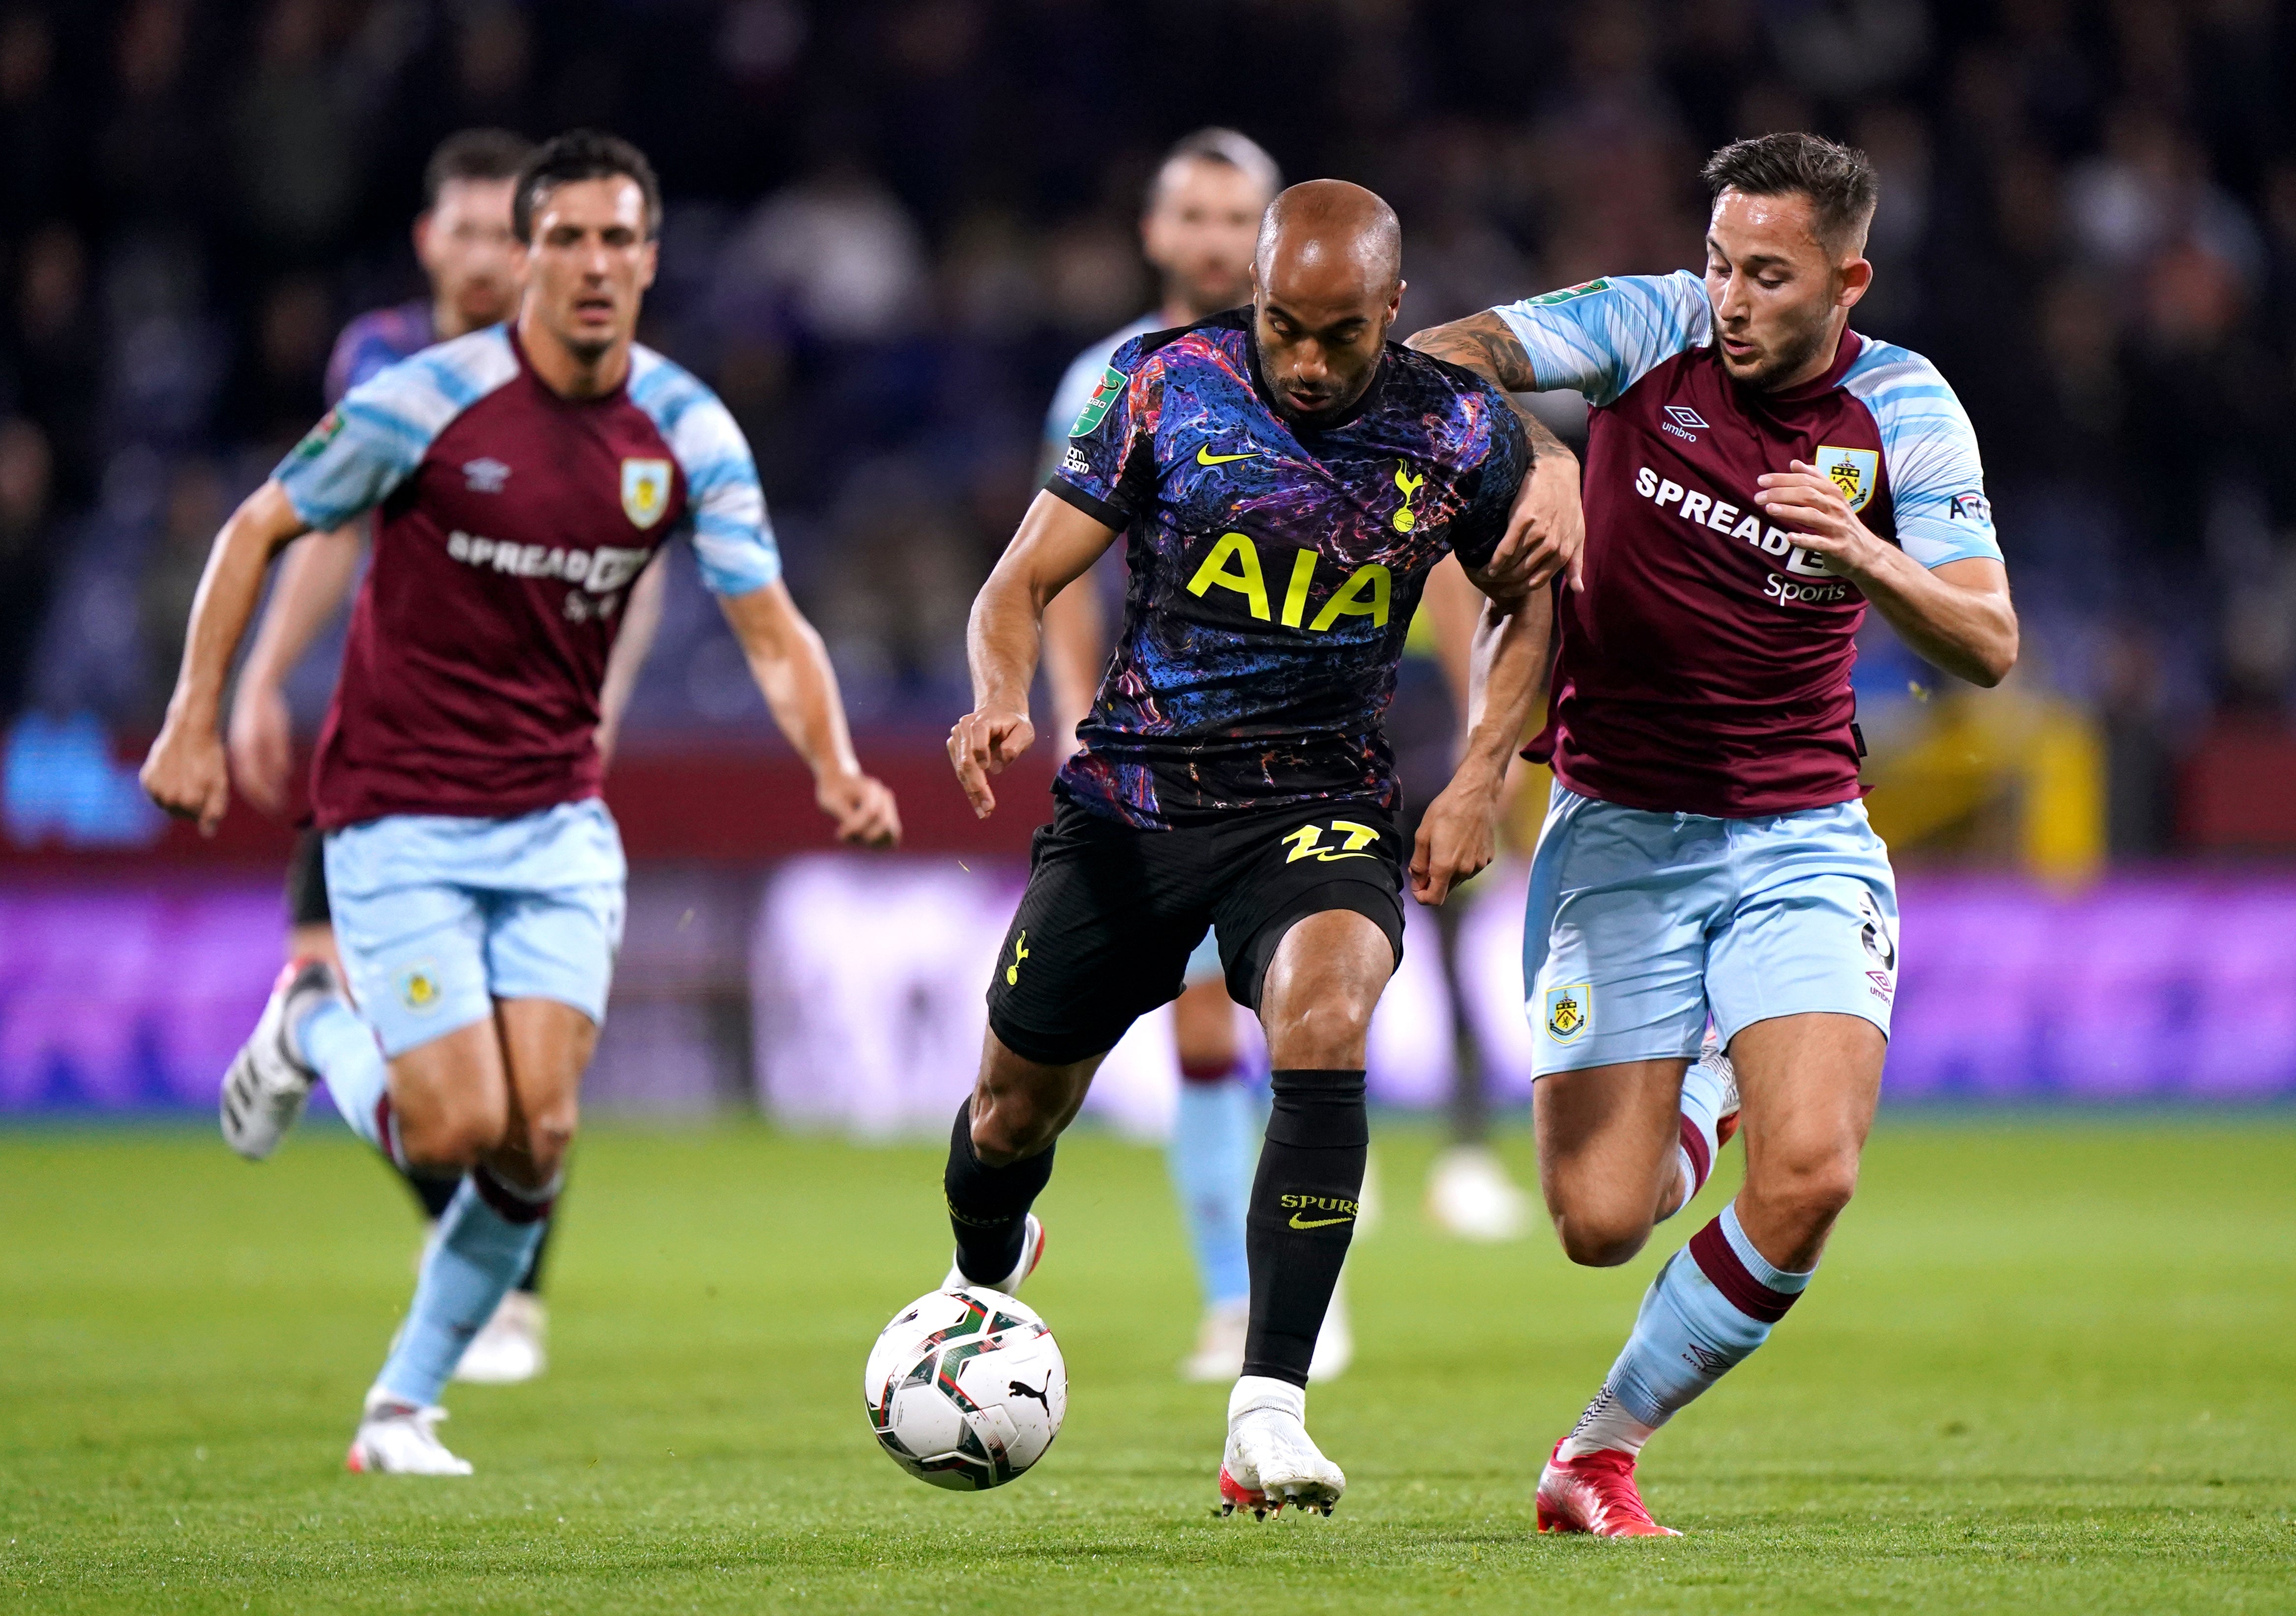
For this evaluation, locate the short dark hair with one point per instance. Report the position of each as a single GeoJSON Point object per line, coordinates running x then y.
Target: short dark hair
{"type": "Point", "coordinates": [473, 154]}
{"type": "Point", "coordinates": [582, 154]}
{"type": "Point", "coordinates": [1231, 147]}
{"type": "Point", "coordinates": [1838, 180]}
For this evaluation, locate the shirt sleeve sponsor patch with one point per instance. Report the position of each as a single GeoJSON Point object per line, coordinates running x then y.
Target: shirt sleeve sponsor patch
{"type": "Point", "coordinates": [1107, 468]}
{"type": "Point", "coordinates": [1565, 294]}
{"type": "Point", "coordinates": [1096, 408]}
{"type": "Point", "coordinates": [314, 443]}
{"type": "Point", "coordinates": [1601, 336]}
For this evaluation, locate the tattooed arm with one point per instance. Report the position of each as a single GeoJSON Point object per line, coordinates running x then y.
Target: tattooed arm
{"type": "Point", "coordinates": [1547, 530]}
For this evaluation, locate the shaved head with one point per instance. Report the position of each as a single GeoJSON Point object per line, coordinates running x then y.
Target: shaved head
{"type": "Point", "coordinates": [1327, 284]}
{"type": "Point", "coordinates": [1331, 222]}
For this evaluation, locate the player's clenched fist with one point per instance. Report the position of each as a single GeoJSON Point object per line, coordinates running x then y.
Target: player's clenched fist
{"type": "Point", "coordinates": [1458, 838]}
{"type": "Point", "coordinates": [863, 807]}
{"type": "Point", "coordinates": [981, 744]}
{"type": "Point", "coordinates": [185, 774]}
{"type": "Point", "coordinates": [1546, 531]}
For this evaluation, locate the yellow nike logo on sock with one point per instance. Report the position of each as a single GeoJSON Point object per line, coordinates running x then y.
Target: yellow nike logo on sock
{"type": "Point", "coordinates": [1205, 457]}
{"type": "Point", "coordinates": [1317, 1222]}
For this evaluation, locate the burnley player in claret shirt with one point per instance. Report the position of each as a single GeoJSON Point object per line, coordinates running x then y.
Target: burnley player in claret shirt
{"type": "Point", "coordinates": [523, 476]}
{"type": "Point", "coordinates": [1757, 474]}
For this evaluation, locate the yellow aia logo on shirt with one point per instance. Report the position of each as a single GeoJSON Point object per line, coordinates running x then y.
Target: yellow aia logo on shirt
{"type": "Point", "coordinates": [645, 491]}
{"type": "Point", "coordinates": [1234, 564]}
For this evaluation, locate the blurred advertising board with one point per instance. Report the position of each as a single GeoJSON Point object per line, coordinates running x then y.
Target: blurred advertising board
{"type": "Point", "coordinates": [844, 992]}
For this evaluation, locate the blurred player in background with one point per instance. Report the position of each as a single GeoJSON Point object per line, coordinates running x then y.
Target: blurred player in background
{"type": "Point", "coordinates": [524, 477]}
{"type": "Point", "coordinates": [1284, 478]}
{"type": "Point", "coordinates": [1757, 474]}
{"type": "Point", "coordinates": [1199, 230]}
{"type": "Point", "coordinates": [464, 240]}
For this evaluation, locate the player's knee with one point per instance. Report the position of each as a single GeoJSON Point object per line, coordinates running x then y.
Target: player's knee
{"type": "Point", "coordinates": [1599, 1238]}
{"type": "Point", "coordinates": [1810, 1191]}
{"type": "Point", "coordinates": [1006, 1135]}
{"type": "Point", "coordinates": [453, 1135]}
{"type": "Point", "coordinates": [1322, 1031]}
{"type": "Point", "coordinates": [543, 1140]}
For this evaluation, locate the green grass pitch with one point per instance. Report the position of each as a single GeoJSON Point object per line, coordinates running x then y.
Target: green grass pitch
{"type": "Point", "coordinates": [2050, 1366]}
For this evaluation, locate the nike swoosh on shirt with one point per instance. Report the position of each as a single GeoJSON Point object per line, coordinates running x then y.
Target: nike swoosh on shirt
{"type": "Point", "coordinates": [1317, 1222]}
{"type": "Point", "coordinates": [1205, 457]}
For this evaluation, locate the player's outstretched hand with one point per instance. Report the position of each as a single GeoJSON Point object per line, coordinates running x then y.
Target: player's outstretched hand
{"type": "Point", "coordinates": [1806, 500]}
{"type": "Point", "coordinates": [863, 807]}
{"type": "Point", "coordinates": [1458, 838]}
{"type": "Point", "coordinates": [1546, 531]}
{"type": "Point", "coordinates": [261, 745]}
{"type": "Point", "coordinates": [981, 744]}
{"type": "Point", "coordinates": [184, 773]}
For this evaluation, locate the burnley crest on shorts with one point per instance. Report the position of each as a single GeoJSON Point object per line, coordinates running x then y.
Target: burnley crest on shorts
{"type": "Point", "coordinates": [1568, 1011]}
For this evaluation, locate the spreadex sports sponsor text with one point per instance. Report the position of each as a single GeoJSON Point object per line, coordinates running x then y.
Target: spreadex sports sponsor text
{"type": "Point", "coordinates": [1703, 509]}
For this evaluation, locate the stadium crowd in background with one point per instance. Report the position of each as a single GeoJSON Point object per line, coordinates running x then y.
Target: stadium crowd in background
{"type": "Point", "coordinates": [889, 225]}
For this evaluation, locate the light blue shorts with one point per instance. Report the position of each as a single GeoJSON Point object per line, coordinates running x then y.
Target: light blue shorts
{"type": "Point", "coordinates": [437, 916]}
{"type": "Point", "coordinates": [1641, 925]}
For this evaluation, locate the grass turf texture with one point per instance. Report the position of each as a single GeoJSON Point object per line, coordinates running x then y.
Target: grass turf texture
{"type": "Point", "coordinates": [2049, 1366]}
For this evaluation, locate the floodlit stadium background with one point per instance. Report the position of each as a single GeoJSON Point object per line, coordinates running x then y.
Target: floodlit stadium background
{"type": "Point", "coordinates": [889, 226]}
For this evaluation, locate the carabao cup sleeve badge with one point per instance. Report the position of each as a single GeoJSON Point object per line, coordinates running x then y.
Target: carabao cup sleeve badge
{"type": "Point", "coordinates": [1569, 1012]}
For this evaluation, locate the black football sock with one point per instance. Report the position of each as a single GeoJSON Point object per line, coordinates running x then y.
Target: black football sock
{"type": "Point", "coordinates": [435, 1191]}
{"type": "Point", "coordinates": [1304, 1203]}
{"type": "Point", "coordinates": [989, 1206]}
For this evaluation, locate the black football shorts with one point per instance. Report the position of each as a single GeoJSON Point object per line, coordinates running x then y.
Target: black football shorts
{"type": "Point", "coordinates": [307, 880]}
{"type": "Point", "coordinates": [1104, 930]}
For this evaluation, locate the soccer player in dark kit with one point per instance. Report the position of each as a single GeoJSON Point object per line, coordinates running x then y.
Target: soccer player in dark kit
{"type": "Point", "coordinates": [1283, 479]}
{"type": "Point", "coordinates": [1757, 474]}
{"type": "Point", "coordinates": [524, 476]}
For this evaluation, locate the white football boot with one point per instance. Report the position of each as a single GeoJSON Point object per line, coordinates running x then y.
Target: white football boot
{"type": "Point", "coordinates": [397, 1440]}
{"type": "Point", "coordinates": [1470, 1195]}
{"type": "Point", "coordinates": [268, 1083]}
{"type": "Point", "coordinates": [1270, 1461]}
{"type": "Point", "coordinates": [1032, 1249]}
{"type": "Point", "coordinates": [510, 1348]}
{"type": "Point", "coordinates": [1219, 1343]}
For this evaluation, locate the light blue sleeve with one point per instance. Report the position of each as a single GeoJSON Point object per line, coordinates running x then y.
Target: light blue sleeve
{"type": "Point", "coordinates": [1928, 450]}
{"type": "Point", "coordinates": [375, 438]}
{"type": "Point", "coordinates": [1602, 337]}
{"type": "Point", "coordinates": [725, 508]}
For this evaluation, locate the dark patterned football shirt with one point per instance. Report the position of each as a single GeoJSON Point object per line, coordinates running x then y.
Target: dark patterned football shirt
{"type": "Point", "coordinates": [1275, 567]}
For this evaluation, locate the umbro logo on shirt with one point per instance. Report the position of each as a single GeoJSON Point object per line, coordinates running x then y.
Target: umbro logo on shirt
{"type": "Point", "coordinates": [1681, 417]}
{"type": "Point", "coordinates": [485, 475]}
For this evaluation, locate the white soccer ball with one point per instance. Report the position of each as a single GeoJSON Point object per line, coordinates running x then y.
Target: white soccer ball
{"type": "Point", "coordinates": [965, 1388]}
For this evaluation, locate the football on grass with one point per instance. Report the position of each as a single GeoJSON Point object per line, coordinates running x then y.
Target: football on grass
{"type": "Point", "coordinates": [965, 1389]}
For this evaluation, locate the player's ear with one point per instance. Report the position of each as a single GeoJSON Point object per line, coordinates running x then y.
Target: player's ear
{"type": "Point", "coordinates": [422, 234]}
{"type": "Point", "coordinates": [648, 262]}
{"type": "Point", "coordinates": [1395, 304]}
{"type": "Point", "coordinates": [1853, 277]}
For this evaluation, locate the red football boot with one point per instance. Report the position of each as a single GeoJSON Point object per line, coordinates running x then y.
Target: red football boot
{"type": "Point", "coordinates": [1594, 1493]}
